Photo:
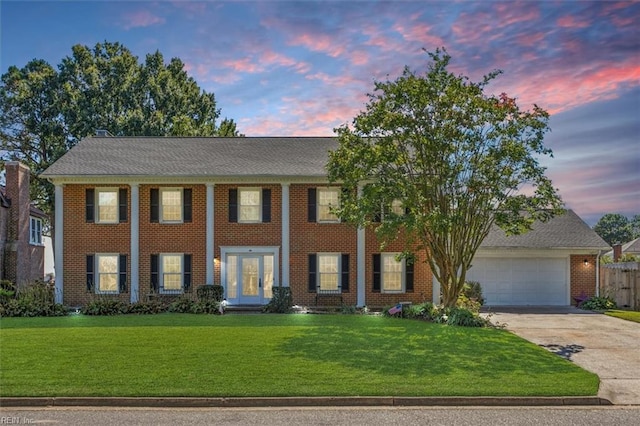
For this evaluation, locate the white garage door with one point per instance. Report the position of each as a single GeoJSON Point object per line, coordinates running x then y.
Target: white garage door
{"type": "Point", "coordinates": [521, 281]}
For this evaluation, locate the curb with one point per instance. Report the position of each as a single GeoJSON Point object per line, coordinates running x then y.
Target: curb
{"type": "Point", "coordinates": [385, 401]}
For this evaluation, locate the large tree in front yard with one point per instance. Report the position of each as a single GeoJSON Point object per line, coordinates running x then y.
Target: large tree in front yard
{"type": "Point", "coordinates": [458, 160]}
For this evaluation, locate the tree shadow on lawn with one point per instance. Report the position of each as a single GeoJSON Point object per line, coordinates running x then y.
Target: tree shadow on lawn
{"type": "Point", "coordinates": [425, 349]}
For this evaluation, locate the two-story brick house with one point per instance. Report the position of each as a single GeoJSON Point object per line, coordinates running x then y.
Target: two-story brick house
{"type": "Point", "coordinates": [154, 214]}
{"type": "Point", "coordinates": [146, 215]}
{"type": "Point", "coordinates": [21, 227]}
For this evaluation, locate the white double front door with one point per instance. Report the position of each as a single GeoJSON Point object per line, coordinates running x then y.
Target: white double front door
{"type": "Point", "coordinates": [249, 277]}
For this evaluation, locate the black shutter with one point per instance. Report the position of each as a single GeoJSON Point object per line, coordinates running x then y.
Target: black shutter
{"type": "Point", "coordinates": [311, 205]}
{"type": "Point", "coordinates": [123, 273]}
{"type": "Point", "coordinates": [408, 279]}
{"type": "Point", "coordinates": [187, 272]}
{"type": "Point", "coordinates": [377, 217]}
{"type": "Point", "coordinates": [313, 266]}
{"type": "Point", "coordinates": [266, 205]}
{"type": "Point", "coordinates": [154, 273]}
{"type": "Point", "coordinates": [90, 274]}
{"type": "Point", "coordinates": [233, 205]}
{"type": "Point", "coordinates": [122, 202]}
{"type": "Point", "coordinates": [89, 205]}
{"type": "Point", "coordinates": [345, 273]}
{"type": "Point", "coordinates": [376, 273]}
{"type": "Point", "coordinates": [155, 205]}
{"type": "Point", "coordinates": [186, 205]}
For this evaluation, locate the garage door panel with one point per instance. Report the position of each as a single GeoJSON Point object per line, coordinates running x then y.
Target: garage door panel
{"type": "Point", "coordinates": [521, 281]}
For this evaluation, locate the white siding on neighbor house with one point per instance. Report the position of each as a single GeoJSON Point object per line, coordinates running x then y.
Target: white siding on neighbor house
{"type": "Point", "coordinates": [515, 279]}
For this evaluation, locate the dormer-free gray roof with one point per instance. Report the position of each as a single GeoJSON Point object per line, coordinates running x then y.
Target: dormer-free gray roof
{"type": "Point", "coordinates": [195, 157]}
{"type": "Point", "coordinates": [563, 231]}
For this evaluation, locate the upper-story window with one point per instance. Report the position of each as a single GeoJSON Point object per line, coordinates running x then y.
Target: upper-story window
{"type": "Point", "coordinates": [171, 205]}
{"type": "Point", "coordinates": [250, 205]}
{"type": "Point", "coordinates": [35, 231]}
{"type": "Point", "coordinates": [321, 203]}
{"type": "Point", "coordinates": [397, 207]}
{"type": "Point", "coordinates": [106, 205]}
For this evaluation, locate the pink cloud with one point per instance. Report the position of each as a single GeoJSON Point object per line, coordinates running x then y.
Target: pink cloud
{"type": "Point", "coordinates": [319, 43]}
{"type": "Point", "coordinates": [141, 18]}
{"type": "Point", "coordinates": [420, 32]}
{"type": "Point", "coordinates": [510, 13]}
{"type": "Point", "coordinates": [570, 21]}
{"type": "Point", "coordinates": [531, 39]}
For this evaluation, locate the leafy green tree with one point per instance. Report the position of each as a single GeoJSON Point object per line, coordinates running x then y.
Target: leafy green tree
{"type": "Point", "coordinates": [457, 160]}
{"type": "Point", "coordinates": [44, 112]}
{"type": "Point", "coordinates": [614, 228]}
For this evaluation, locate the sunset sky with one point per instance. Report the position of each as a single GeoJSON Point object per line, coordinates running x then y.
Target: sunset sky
{"type": "Point", "coordinates": [302, 68]}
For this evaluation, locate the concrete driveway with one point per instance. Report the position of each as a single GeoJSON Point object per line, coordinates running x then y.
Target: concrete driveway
{"type": "Point", "coordinates": [604, 345]}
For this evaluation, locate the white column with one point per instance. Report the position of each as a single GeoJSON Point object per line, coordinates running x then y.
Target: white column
{"type": "Point", "coordinates": [360, 266]}
{"type": "Point", "coordinates": [285, 235]}
{"type": "Point", "coordinates": [135, 242]}
{"type": "Point", "coordinates": [59, 242]}
{"type": "Point", "coordinates": [210, 247]}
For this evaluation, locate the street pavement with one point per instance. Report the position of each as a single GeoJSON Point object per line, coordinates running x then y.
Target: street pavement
{"type": "Point", "coordinates": [604, 345]}
{"type": "Point", "coordinates": [334, 416]}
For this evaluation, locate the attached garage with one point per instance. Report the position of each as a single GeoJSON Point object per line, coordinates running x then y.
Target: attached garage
{"type": "Point", "coordinates": [522, 280]}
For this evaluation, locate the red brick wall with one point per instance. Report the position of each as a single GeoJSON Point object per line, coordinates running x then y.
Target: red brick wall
{"type": "Point", "coordinates": [82, 239]}
{"type": "Point", "coordinates": [422, 286]}
{"type": "Point", "coordinates": [306, 238]}
{"type": "Point", "coordinates": [583, 277]}
{"type": "Point", "coordinates": [184, 238]}
{"type": "Point", "coordinates": [245, 234]}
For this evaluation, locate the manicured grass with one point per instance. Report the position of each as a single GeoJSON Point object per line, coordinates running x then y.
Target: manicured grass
{"type": "Point", "coordinates": [274, 355]}
{"type": "Point", "coordinates": [626, 315]}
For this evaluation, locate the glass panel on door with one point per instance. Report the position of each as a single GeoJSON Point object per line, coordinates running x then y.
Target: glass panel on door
{"type": "Point", "coordinates": [250, 276]}
{"type": "Point", "coordinates": [267, 282]}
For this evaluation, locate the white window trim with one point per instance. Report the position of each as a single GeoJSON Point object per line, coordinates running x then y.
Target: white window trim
{"type": "Point", "coordinates": [318, 191]}
{"type": "Point", "coordinates": [403, 274]}
{"type": "Point", "coordinates": [161, 273]}
{"type": "Point", "coordinates": [339, 272]}
{"type": "Point", "coordinates": [259, 191]}
{"type": "Point", "coordinates": [96, 275]}
{"type": "Point", "coordinates": [161, 205]}
{"type": "Point", "coordinates": [35, 220]}
{"type": "Point", "coordinates": [97, 205]}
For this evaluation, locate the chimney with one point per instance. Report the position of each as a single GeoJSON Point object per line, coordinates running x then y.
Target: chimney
{"type": "Point", "coordinates": [617, 252]}
{"type": "Point", "coordinates": [17, 190]}
{"type": "Point", "coordinates": [102, 133]}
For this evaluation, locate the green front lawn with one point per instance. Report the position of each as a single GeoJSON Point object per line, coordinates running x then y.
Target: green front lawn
{"type": "Point", "coordinates": [274, 355]}
{"type": "Point", "coordinates": [626, 315]}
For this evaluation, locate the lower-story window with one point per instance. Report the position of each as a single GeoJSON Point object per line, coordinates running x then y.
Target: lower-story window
{"type": "Point", "coordinates": [107, 273]}
{"type": "Point", "coordinates": [329, 272]}
{"type": "Point", "coordinates": [392, 274]}
{"type": "Point", "coordinates": [171, 273]}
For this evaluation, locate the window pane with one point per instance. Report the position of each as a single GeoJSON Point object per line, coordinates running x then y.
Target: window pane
{"type": "Point", "coordinates": [397, 207]}
{"type": "Point", "coordinates": [249, 213]}
{"type": "Point", "coordinates": [107, 206]}
{"type": "Point", "coordinates": [328, 263]}
{"type": "Point", "coordinates": [329, 281]}
{"type": "Point", "coordinates": [172, 281]}
{"type": "Point", "coordinates": [232, 277]}
{"type": "Point", "coordinates": [172, 264]}
{"type": "Point", "coordinates": [392, 273]}
{"type": "Point", "coordinates": [108, 273]}
{"type": "Point", "coordinates": [327, 198]}
{"type": "Point", "coordinates": [172, 205]}
{"type": "Point", "coordinates": [268, 277]}
{"type": "Point", "coordinates": [249, 197]}
{"type": "Point", "coordinates": [108, 282]}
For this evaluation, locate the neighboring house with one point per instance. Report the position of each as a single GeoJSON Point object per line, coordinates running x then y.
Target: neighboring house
{"type": "Point", "coordinates": [21, 226]}
{"type": "Point", "coordinates": [550, 265]}
{"type": "Point", "coordinates": [631, 248]}
{"type": "Point", "coordinates": [143, 215]}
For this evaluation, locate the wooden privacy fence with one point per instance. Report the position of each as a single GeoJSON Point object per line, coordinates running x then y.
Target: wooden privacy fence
{"type": "Point", "coordinates": [621, 282]}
